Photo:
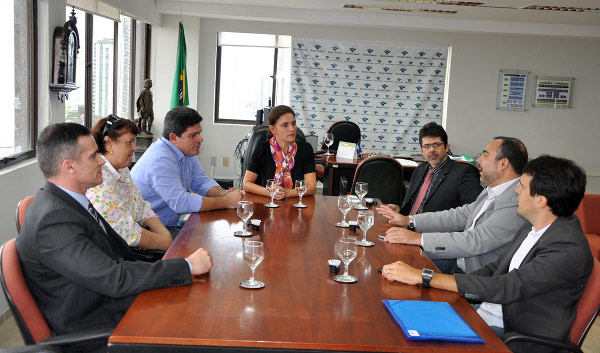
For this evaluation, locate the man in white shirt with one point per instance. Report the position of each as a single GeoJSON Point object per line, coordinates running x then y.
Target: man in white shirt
{"type": "Point", "coordinates": [534, 287]}
{"type": "Point", "coordinates": [468, 237]}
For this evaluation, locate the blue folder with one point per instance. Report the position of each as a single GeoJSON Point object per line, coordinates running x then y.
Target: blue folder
{"type": "Point", "coordinates": [425, 320]}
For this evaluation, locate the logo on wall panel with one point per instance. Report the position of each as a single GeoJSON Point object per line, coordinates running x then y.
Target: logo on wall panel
{"type": "Point", "coordinates": [389, 90]}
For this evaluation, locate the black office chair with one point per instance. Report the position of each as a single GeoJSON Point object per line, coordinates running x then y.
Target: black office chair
{"type": "Point", "coordinates": [259, 134]}
{"type": "Point", "coordinates": [343, 130]}
{"type": "Point", "coordinates": [385, 178]}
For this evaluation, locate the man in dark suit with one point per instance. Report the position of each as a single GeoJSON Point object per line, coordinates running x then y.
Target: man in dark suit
{"type": "Point", "coordinates": [440, 183]}
{"type": "Point", "coordinates": [535, 286]}
{"type": "Point", "coordinates": [79, 270]}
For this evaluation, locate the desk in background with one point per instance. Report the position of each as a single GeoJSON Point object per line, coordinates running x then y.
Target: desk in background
{"type": "Point", "coordinates": [336, 168]}
{"type": "Point", "coordinates": [301, 307]}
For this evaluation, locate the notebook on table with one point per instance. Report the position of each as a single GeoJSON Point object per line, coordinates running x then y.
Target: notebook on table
{"type": "Point", "coordinates": [426, 320]}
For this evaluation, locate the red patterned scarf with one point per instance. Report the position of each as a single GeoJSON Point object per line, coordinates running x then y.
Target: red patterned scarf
{"type": "Point", "coordinates": [283, 163]}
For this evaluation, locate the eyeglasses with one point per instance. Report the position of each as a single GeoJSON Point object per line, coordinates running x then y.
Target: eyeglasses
{"type": "Point", "coordinates": [434, 145]}
{"type": "Point", "coordinates": [109, 122]}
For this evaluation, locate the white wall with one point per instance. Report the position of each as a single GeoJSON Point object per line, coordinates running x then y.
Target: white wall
{"type": "Point", "coordinates": [472, 119]}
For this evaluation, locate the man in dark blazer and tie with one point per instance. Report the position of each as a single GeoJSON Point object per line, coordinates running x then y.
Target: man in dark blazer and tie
{"type": "Point", "coordinates": [80, 271]}
{"type": "Point", "coordinates": [439, 183]}
{"type": "Point", "coordinates": [534, 287]}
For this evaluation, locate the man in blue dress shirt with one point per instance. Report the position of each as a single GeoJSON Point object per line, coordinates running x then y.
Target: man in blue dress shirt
{"type": "Point", "coordinates": [170, 177]}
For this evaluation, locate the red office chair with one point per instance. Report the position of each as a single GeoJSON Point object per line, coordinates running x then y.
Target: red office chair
{"type": "Point", "coordinates": [590, 222]}
{"type": "Point", "coordinates": [22, 209]}
{"type": "Point", "coordinates": [587, 311]}
{"type": "Point", "coordinates": [31, 322]}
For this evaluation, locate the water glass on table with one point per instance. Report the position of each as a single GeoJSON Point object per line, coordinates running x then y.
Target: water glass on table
{"type": "Point", "coordinates": [365, 221]}
{"type": "Point", "coordinates": [361, 190]}
{"type": "Point", "coordinates": [344, 204]}
{"type": "Point", "coordinates": [301, 188]}
{"type": "Point", "coordinates": [254, 253]}
{"type": "Point", "coordinates": [245, 209]}
{"type": "Point", "coordinates": [328, 139]}
{"type": "Point", "coordinates": [346, 250]}
{"type": "Point", "coordinates": [272, 187]}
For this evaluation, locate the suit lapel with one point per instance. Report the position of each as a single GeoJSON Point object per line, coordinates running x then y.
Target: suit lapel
{"type": "Point", "coordinates": [504, 265]}
{"type": "Point", "coordinates": [113, 237]}
{"type": "Point", "coordinates": [419, 174]}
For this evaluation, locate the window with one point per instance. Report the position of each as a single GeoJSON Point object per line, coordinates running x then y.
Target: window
{"type": "Point", "coordinates": [103, 40]}
{"type": "Point", "coordinates": [252, 72]}
{"type": "Point", "coordinates": [18, 101]}
{"type": "Point", "coordinates": [113, 65]}
{"type": "Point", "coordinates": [124, 83]}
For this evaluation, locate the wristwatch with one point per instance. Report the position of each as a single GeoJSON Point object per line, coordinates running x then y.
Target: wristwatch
{"type": "Point", "coordinates": [426, 277]}
{"type": "Point", "coordinates": [411, 223]}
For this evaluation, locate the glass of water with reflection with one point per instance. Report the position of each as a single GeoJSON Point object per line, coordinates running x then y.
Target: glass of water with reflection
{"type": "Point", "coordinates": [346, 250]}
{"type": "Point", "coordinates": [245, 210]}
{"type": "Point", "coordinates": [254, 253]}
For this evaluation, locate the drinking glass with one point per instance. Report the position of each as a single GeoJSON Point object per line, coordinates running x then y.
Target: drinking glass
{"type": "Point", "coordinates": [365, 221]}
{"type": "Point", "coordinates": [328, 139]}
{"type": "Point", "coordinates": [344, 205]}
{"type": "Point", "coordinates": [301, 188]}
{"type": "Point", "coordinates": [244, 211]}
{"type": "Point", "coordinates": [254, 253]}
{"type": "Point", "coordinates": [346, 250]}
{"type": "Point", "coordinates": [272, 188]}
{"type": "Point", "coordinates": [361, 190]}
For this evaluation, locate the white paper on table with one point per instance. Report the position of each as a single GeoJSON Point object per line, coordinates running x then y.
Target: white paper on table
{"type": "Point", "coordinates": [407, 163]}
{"type": "Point", "coordinates": [458, 158]}
{"type": "Point", "coordinates": [346, 150]}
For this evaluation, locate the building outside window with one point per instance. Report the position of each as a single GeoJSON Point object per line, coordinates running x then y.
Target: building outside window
{"type": "Point", "coordinates": [18, 101]}
{"type": "Point", "coordinates": [252, 73]}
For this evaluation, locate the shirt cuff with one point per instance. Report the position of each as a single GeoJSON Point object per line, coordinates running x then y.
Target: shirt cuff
{"type": "Point", "coordinates": [189, 264]}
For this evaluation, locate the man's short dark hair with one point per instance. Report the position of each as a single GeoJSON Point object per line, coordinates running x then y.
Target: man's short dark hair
{"type": "Point", "coordinates": [514, 150]}
{"type": "Point", "coordinates": [560, 180]}
{"type": "Point", "coordinates": [433, 130]}
{"type": "Point", "coordinates": [179, 119]}
{"type": "Point", "coordinates": [58, 142]}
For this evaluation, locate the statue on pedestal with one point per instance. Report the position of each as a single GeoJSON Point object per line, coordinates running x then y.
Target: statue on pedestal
{"type": "Point", "coordinates": [144, 108]}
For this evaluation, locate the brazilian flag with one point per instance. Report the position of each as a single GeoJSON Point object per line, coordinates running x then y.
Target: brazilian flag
{"type": "Point", "coordinates": [179, 94]}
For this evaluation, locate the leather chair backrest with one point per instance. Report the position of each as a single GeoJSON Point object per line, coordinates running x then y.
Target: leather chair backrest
{"type": "Point", "coordinates": [385, 178]}
{"type": "Point", "coordinates": [588, 212]}
{"type": "Point", "coordinates": [588, 307]}
{"type": "Point", "coordinates": [259, 134]}
{"type": "Point", "coordinates": [343, 130]}
{"type": "Point", "coordinates": [30, 320]}
{"type": "Point", "coordinates": [22, 210]}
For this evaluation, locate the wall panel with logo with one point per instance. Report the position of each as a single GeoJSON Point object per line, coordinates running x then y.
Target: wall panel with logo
{"type": "Point", "coordinates": [389, 90]}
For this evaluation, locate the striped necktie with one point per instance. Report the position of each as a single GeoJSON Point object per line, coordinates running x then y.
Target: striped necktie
{"type": "Point", "coordinates": [96, 216]}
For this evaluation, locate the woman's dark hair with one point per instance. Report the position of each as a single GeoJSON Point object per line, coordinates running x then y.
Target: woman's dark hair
{"type": "Point", "coordinates": [559, 180]}
{"type": "Point", "coordinates": [113, 127]}
{"type": "Point", "coordinates": [276, 113]}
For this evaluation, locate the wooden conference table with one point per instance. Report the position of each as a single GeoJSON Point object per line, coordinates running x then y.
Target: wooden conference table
{"type": "Point", "coordinates": [301, 307]}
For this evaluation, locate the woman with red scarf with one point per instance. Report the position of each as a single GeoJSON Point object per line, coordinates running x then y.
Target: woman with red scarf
{"type": "Point", "coordinates": [281, 158]}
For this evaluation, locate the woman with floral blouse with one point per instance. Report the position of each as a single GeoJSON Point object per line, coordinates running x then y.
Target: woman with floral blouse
{"type": "Point", "coordinates": [118, 199]}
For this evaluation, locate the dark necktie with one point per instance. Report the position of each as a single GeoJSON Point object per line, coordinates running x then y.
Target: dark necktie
{"type": "Point", "coordinates": [422, 193]}
{"type": "Point", "coordinates": [95, 214]}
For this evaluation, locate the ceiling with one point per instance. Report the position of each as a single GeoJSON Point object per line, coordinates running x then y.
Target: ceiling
{"type": "Point", "coordinates": [494, 16]}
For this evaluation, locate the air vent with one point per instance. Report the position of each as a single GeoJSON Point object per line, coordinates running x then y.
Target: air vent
{"type": "Point", "coordinates": [396, 9]}
{"type": "Point", "coordinates": [561, 8]}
